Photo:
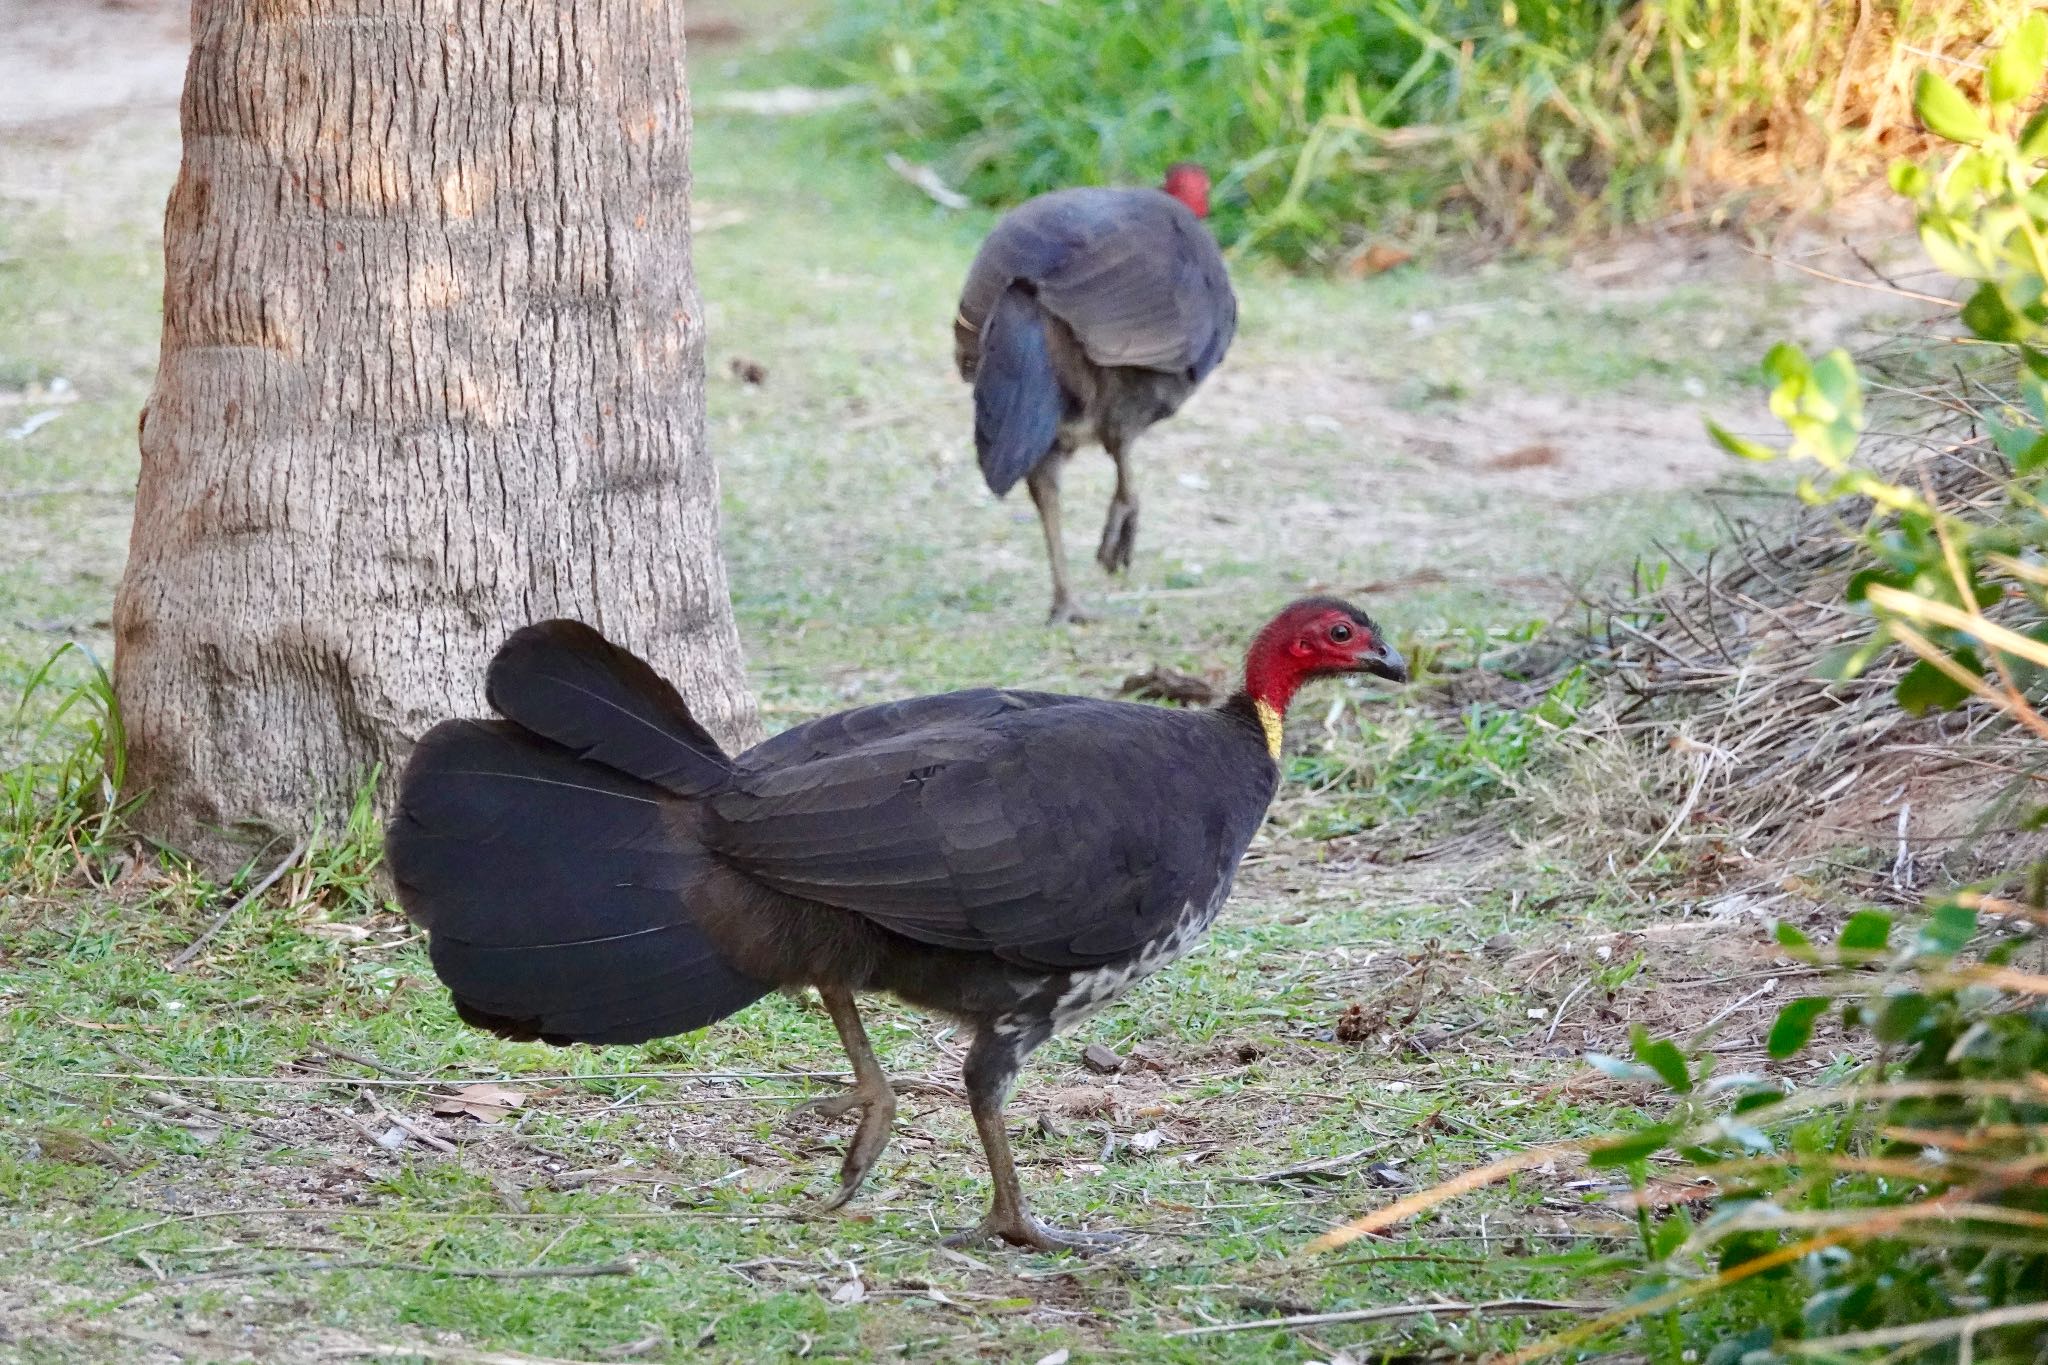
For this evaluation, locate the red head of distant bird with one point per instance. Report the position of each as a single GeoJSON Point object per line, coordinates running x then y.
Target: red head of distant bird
{"type": "Point", "coordinates": [1189, 183]}
{"type": "Point", "coordinates": [1313, 638]}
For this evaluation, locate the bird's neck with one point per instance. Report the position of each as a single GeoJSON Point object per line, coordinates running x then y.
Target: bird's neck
{"type": "Point", "coordinates": [1271, 678]}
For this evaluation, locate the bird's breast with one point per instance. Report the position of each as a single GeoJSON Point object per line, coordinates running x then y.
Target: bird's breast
{"type": "Point", "coordinates": [1088, 991]}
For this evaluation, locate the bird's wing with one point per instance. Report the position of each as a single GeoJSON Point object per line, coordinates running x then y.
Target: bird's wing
{"type": "Point", "coordinates": [1132, 273]}
{"type": "Point", "coordinates": [1145, 288]}
{"type": "Point", "coordinates": [846, 730]}
{"type": "Point", "coordinates": [1056, 845]}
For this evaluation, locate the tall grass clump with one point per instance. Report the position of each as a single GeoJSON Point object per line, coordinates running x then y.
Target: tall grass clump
{"type": "Point", "coordinates": [1327, 122]}
{"type": "Point", "coordinates": [66, 753]}
{"type": "Point", "coordinates": [1888, 1200]}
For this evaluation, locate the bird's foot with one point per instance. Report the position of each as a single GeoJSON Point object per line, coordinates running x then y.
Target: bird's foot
{"type": "Point", "coordinates": [1021, 1229]}
{"type": "Point", "coordinates": [870, 1139]}
{"type": "Point", "coordinates": [1119, 535]}
{"type": "Point", "coordinates": [1066, 611]}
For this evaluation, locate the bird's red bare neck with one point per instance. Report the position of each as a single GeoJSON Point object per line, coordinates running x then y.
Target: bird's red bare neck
{"type": "Point", "coordinates": [1272, 673]}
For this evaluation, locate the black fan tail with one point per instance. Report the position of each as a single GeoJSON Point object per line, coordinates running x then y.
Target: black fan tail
{"type": "Point", "coordinates": [556, 891]}
{"type": "Point", "coordinates": [563, 681]}
{"type": "Point", "coordinates": [1017, 396]}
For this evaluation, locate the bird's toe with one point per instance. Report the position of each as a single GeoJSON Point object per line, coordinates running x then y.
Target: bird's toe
{"type": "Point", "coordinates": [1119, 535]}
{"type": "Point", "coordinates": [870, 1139]}
{"type": "Point", "coordinates": [1067, 612]}
{"type": "Point", "coordinates": [828, 1107]}
{"type": "Point", "coordinates": [1025, 1231]}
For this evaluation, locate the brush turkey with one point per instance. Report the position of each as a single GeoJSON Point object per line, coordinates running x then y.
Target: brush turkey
{"type": "Point", "coordinates": [1089, 314]}
{"type": "Point", "coordinates": [591, 868]}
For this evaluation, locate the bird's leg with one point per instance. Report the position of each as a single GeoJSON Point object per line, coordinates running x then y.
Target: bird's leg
{"type": "Point", "coordinates": [1120, 528]}
{"type": "Point", "coordinates": [1044, 483]}
{"type": "Point", "coordinates": [991, 1066]}
{"type": "Point", "coordinates": [871, 1094]}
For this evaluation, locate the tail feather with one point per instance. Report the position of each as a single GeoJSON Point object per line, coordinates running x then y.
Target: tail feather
{"type": "Point", "coordinates": [565, 682]}
{"type": "Point", "coordinates": [1017, 396]}
{"type": "Point", "coordinates": [554, 889]}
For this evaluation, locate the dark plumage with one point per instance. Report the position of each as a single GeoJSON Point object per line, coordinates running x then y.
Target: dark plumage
{"type": "Point", "coordinates": [1089, 314]}
{"type": "Point", "coordinates": [591, 868]}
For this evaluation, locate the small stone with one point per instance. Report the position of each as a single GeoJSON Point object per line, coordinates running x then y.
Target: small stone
{"type": "Point", "coordinates": [1101, 1060]}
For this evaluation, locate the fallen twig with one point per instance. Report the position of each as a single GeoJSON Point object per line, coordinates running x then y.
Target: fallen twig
{"type": "Point", "coordinates": [524, 1272]}
{"type": "Point", "coordinates": [1557, 1016]}
{"type": "Point", "coordinates": [455, 1355]}
{"type": "Point", "coordinates": [439, 1144]}
{"type": "Point", "coordinates": [1398, 1310]}
{"type": "Point", "coordinates": [927, 179]}
{"type": "Point", "coordinates": [191, 950]}
{"type": "Point", "coordinates": [1328, 1166]}
{"type": "Point", "coordinates": [557, 1079]}
{"type": "Point", "coordinates": [344, 1055]}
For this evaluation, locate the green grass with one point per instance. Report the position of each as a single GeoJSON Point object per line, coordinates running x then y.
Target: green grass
{"type": "Point", "coordinates": [1325, 122]}
{"type": "Point", "coordinates": [868, 562]}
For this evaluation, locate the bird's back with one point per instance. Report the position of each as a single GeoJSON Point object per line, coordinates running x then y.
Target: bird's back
{"type": "Point", "coordinates": [1060, 833]}
{"type": "Point", "coordinates": [1132, 272]}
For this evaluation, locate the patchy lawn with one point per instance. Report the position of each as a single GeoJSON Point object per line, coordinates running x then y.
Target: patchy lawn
{"type": "Point", "coordinates": [266, 1152]}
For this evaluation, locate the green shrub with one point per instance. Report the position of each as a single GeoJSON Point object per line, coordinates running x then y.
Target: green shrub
{"type": "Point", "coordinates": [1326, 121]}
{"type": "Point", "coordinates": [1895, 1206]}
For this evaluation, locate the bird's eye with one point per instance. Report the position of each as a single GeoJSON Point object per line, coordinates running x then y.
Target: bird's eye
{"type": "Point", "coordinates": [1340, 632]}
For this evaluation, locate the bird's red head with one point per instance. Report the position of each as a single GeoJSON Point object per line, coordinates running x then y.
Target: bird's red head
{"type": "Point", "coordinates": [1189, 183]}
{"type": "Point", "coordinates": [1313, 638]}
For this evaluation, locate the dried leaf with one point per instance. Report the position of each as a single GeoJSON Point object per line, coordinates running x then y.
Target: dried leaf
{"type": "Point", "coordinates": [1101, 1060]}
{"type": "Point", "coordinates": [482, 1100]}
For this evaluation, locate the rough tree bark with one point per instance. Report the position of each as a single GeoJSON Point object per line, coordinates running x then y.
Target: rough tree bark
{"type": "Point", "coordinates": [432, 368]}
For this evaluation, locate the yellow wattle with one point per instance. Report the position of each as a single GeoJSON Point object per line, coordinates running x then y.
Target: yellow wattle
{"type": "Point", "coordinates": [1269, 721]}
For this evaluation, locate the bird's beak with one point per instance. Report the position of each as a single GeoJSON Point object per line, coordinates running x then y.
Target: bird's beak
{"type": "Point", "coordinates": [1384, 662]}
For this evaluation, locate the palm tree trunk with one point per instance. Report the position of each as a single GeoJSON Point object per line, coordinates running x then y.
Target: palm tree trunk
{"type": "Point", "coordinates": [432, 368]}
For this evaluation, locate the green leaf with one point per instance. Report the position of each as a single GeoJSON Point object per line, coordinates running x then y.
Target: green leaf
{"type": "Point", "coordinates": [1795, 1025]}
{"type": "Point", "coordinates": [1946, 112]}
{"type": "Point", "coordinates": [1759, 1098]}
{"type": "Point", "coordinates": [1989, 317]}
{"type": "Point", "coordinates": [1835, 376]}
{"type": "Point", "coordinates": [2032, 459]}
{"type": "Point", "coordinates": [1670, 1234]}
{"type": "Point", "coordinates": [1946, 931]}
{"type": "Point", "coordinates": [1845, 663]}
{"type": "Point", "coordinates": [1858, 586]}
{"type": "Point", "coordinates": [1926, 688]}
{"type": "Point", "coordinates": [1740, 446]}
{"type": "Point", "coordinates": [2034, 137]}
{"type": "Point", "coordinates": [1752, 1138]}
{"type": "Point", "coordinates": [1938, 240]}
{"type": "Point", "coordinates": [1793, 939]}
{"type": "Point", "coordinates": [1901, 1015]}
{"type": "Point", "coordinates": [1634, 1147]}
{"type": "Point", "coordinates": [1867, 931]}
{"type": "Point", "coordinates": [1785, 363]}
{"type": "Point", "coordinates": [2025, 447]}
{"type": "Point", "coordinates": [2016, 66]}
{"type": "Point", "coordinates": [1662, 1056]}
{"type": "Point", "coordinates": [1909, 178]}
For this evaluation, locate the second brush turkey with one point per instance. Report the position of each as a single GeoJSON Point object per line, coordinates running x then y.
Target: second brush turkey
{"type": "Point", "coordinates": [1088, 315]}
{"type": "Point", "coordinates": [592, 868]}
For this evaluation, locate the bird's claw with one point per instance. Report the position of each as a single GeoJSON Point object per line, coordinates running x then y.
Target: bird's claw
{"type": "Point", "coordinates": [1023, 1230]}
{"type": "Point", "coordinates": [870, 1139]}
{"type": "Point", "coordinates": [1066, 611]}
{"type": "Point", "coordinates": [1119, 535]}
